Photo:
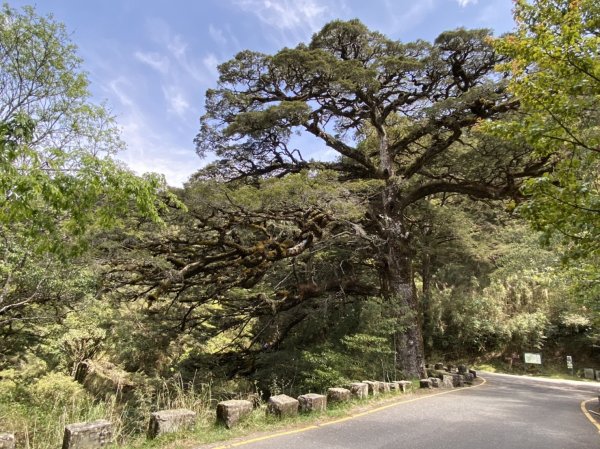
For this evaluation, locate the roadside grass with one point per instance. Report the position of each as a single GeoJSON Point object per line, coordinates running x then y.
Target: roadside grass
{"type": "Point", "coordinates": [258, 423]}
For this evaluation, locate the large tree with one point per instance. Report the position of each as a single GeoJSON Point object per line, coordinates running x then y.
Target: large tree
{"type": "Point", "coordinates": [404, 116]}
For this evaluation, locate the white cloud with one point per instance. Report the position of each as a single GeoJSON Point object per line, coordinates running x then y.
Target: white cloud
{"type": "Point", "coordinates": [183, 65]}
{"type": "Point", "coordinates": [149, 149]}
{"type": "Point", "coordinates": [176, 101]}
{"type": "Point", "coordinates": [285, 14]}
{"type": "Point", "coordinates": [217, 34]}
{"type": "Point", "coordinates": [464, 3]}
{"type": "Point", "coordinates": [155, 60]}
{"type": "Point", "coordinates": [115, 86]}
{"type": "Point", "coordinates": [177, 46]}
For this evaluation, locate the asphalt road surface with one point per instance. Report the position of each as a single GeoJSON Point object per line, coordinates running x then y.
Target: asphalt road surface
{"type": "Point", "coordinates": [508, 412]}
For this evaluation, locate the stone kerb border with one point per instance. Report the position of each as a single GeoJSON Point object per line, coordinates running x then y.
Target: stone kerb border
{"type": "Point", "coordinates": [359, 390]}
{"type": "Point", "coordinates": [229, 413]}
{"type": "Point", "coordinates": [86, 435]}
{"type": "Point", "coordinates": [312, 403]}
{"type": "Point", "coordinates": [168, 421]}
{"type": "Point", "coordinates": [282, 406]}
{"type": "Point", "coordinates": [448, 377]}
{"type": "Point", "coordinates": [338, 395]}
{"type": "Point", "coordinates": [100, 433]}
{"type": "Point", "coordinates": [373, 387]}
{"type": "Point", "coordinates": [7, 441]}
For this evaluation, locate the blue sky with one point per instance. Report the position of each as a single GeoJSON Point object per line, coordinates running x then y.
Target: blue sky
{"type": "Point", "coordinates": [152, 60]}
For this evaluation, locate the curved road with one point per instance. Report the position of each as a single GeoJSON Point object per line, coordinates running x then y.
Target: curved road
{"type": "Point", "coordinates": [508, 412]}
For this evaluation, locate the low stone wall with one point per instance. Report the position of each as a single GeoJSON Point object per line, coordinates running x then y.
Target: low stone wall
{"type": "Point", "coordinates": [384, 387]}
{"type": "Point", "coordinates": [425, 383]}
{"type": "Point", "coordinates": [97, 434]}
{"type": "Point", "coordinates": [359, 390]}
{"type": "Point", "coordinates": [338, 395]}
{"type": "Point", "coordinates": [458, 380]}
{"type": "Point", "coordinates": [229, 413]}
{"type": "Point", "coordinates": [7, 441]}
{"type": "Point", "coordinates": [373, 387]}
{"type": "Point", "coordinates": [312, 402]}
{"type": "Point", "coordinates": [435, 382]}
{"type": "Point", "coordinates": [448, 381]}
{"type": "Point", "coordinates": [282, 406]}
{"type": "Point", "coordinates": [90, 435]}
{"type": "Point", "coordinates": [168, 421]}
{"type": "Point", "coordinates": [405, 385]}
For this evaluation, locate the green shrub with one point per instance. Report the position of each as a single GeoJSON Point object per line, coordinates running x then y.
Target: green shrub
{"type": "Point", "coordinates": [56, 390]}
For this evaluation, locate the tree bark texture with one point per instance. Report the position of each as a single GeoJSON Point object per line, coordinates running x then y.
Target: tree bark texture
{"type": "Point", "coordinates": [399, 289]}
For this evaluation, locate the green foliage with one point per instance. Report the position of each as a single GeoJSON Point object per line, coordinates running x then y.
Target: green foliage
{"type": "Point", "coordinates": [37, 406]}
{"type": "Point", "coordinates": [282, 279]}
{"type": "Point", "coordinates": [58, 182]}
{"type": "Point", "coordinates": [555, 72]}
{"type": "Point", "coordinates": [56, 389]}
{"type": "Point", "coordinates": [58, 178]}
{"type": "Point", "coordinates": [324, 367]}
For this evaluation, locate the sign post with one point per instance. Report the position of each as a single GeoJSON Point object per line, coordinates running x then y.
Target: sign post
{"type": "Point", "coordinates": [570, 364]}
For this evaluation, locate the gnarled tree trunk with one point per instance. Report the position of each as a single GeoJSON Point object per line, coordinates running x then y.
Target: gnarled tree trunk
{"type": "Point", "coordinates": [398, 287]}
{"type": "Point", "coordinates": [399, 290]}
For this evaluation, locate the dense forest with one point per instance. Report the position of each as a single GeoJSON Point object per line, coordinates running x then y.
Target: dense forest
{"type": "Point", "coordinates": [458, 221]}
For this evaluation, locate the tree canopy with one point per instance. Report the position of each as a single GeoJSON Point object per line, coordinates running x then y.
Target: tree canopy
{"type": "Point", "coordinates": [404, 116]}
{"type": "Point", "coordinates": [556, 76]}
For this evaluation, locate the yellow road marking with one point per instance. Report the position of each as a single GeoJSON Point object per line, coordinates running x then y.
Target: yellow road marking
{"type": "Point", "coordinates": [337, 421]}
{"type": "Point", "coordinates": [588, 414]}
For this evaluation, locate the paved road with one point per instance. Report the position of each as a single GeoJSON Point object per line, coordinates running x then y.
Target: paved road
{"type": "Point", "coordinates": [508, 412]}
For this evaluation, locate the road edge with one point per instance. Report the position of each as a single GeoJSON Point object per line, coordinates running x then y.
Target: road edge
{"type": "Point", "coordinates": [346, 418]}
{"type": "Point", "coordinates": [588, 415]}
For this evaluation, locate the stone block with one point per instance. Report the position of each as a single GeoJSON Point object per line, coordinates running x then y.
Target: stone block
{"type": "Point", "coordinates": [359, 390]}
{"type": "Point", "coordinates": [168, 421]}
{"type": "Point", "coordinates": [468, 378]}
{"type": "Point", "coordinates": [373, 387]}
{"type": "Point", "coordinates": [338, 395]}
{"type": "Point", "coordinates": [451, 368]}
{"type": "Point", "coordinates": [405, 385]}
{"type": "Point", "coordinates": [598, 375]}
{"type": "Point", "coordinates": [394, 386]}
{"type": "Point", "coordinates": [312, 402]}
{"type": "Point", "coordinates": [458, 380]}
{"type": "Point", "coordinates": [384, 387]}
{"type": "Point", "coordinates": [439, 366]}
{"type": "Point", "coordinates": [448, 381]}
{"type": "Point", "coordinates": [231, 412]}
{"type": "Point", "coordinates": [425, 383]}
{"type": "Point", "coordinates": [282, 406]}
{"type": "Point", "coordinates": [7, 441]}
{"type": "Point", "coordinates": [436, 373]}
{"type": "Point", "coordinates": [588, 373]}
{"type": "Point", "coordinates": [88, 435]}
{"type": "Point", "coordinates": [463, 369]}
{"type": "Point", "coordinates": [435, 382]}
{"type": "Point", "coordinates": [474, 373]}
